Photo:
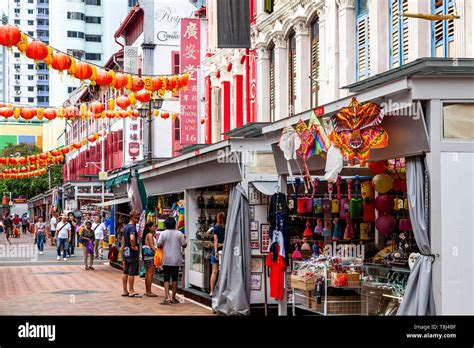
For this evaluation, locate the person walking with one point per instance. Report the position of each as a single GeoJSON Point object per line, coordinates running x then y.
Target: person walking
{"type": "Point", "coordinates": [52, 226]}
{"type": "Point", "coordinates": [88, 237]}
{"type": "Point", "coordinates": [40, 234]}
{"type": "Point", "coordinates": [62, 236]}
{"type": "Point", "coordinates": [72, 238]}
{"type": "Point", "coordinates": [131, 255]}
{"type": "Point", "coordinates": [24, 223]}
{"type": "Point", "coordinates": [218, 232]}
{"type": "Point", "coordinates": [16, 226]}
{"type": "Point", "coordinates": [8, 224]}
{"type": "Point", "coordinates": [148, 252]}
{"type": "Point", "coordinates": [171, 241]}
{"type": "Point", "coordinates": [99, 230]}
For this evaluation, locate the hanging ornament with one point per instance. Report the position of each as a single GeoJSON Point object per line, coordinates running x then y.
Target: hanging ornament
{"type": "Point", "coordinates": [93, 76]}
{"type": "Point", "coordinates": [6, 112]}
{"type": "Point", "coordinates": [22, 45]}
{"type": "Point", "coordinates": [103, 78]}
{"type": "Point", "coordinates": [49, 58]}
{"type": "Point", "coordinates": [96, 107]}
{"type": "Point", "coordinates": [123, 102]}
{"type": "Point", "coordinates": [137, 84]}
{"type": "Point", "coordinates": [120, 81]}
{"type": "Point", "coordinates": [28, 113]}
{"type": "Point", "coordinates": [9, 35]}
{"type": "Point", "coordinates": [83, 71]}
{"type": "Point", "coordinates": [165, 115]}
{"type": "Point", "coordinates": [37, 50]}
{"type": "Point", "coordinates": [61, 62]}
{"type": "Point", "coordinates": [49, 114]}
{"type": "Point", "coordinates": [72, 69]}
{"type": "Point", "coordinates": [143, 96]}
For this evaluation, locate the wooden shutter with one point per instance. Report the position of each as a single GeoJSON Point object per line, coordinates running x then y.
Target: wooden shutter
{"type": "Point", "coordinates": [404, 28]}
{"type": "Point", "coordinates": [363, 52]}
{"type": "Point", "coordinates": [272, 85]}
{"type": "Point", "coordinates": [314, 64]}
{"type": "Point", "coordinates": [395, 34]}
{"type": "Point", "coordinates": [450, 30]}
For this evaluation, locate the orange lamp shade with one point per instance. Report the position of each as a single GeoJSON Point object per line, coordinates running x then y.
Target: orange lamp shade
{"type": "Point", "coordinates": [9, 35]}
{"type": "Point", "coordinates": [37, 50]}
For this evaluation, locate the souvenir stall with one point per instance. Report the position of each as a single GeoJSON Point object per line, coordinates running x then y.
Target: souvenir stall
{"type": "Point", "coordinates": [343, 221]}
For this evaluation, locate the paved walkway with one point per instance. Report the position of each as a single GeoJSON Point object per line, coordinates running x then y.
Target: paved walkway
{"type": "Point", "coordinates": [50, 287]}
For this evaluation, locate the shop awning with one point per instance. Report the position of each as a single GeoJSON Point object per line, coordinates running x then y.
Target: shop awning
{"type": "Point", "coordinates": [113, 202]}
{"type": "Point", "coordinates": [268, 188]}
{"type": "Point", "coordinates": [118, 180]}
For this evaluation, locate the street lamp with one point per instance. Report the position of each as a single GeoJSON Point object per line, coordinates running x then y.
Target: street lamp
{"type": "Point", "coordinates": [156, 102]}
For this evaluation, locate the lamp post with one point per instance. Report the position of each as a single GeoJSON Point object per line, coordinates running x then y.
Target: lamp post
{"type": "Point", "coordinates": [156, 102]}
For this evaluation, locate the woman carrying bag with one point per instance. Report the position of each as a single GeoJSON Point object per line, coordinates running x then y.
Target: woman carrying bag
{"type": "Point", "coordinates": [87, 239]}
{"type": "Point", "coordinates": [148, 254]}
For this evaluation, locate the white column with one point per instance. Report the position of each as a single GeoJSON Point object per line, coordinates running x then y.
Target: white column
{"type": "Point", "coordinates": [419, 31]}
{"type": "Point", "coordinates": [460, 31]}
{"type": "Point", "coordinates": [332, 52]}
{"type": "Point", "coordinates": [261, 14]}
{"type": "Point", "coordinates": [303, 64]}
{"type": "Point", "coordinates": [378, 40]}
{"type": "Point", "coordinates": [216, 107]}
{"type": "Point", "coordinates": [323, 76]}
{"type": "Point", "coordinates": [347, 46]}
{"type": "Point", "coordinates": [281, 77]}
{"type": "Point", "coordinates": [263, 84]}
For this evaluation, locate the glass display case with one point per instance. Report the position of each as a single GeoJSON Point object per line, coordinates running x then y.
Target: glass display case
{"type": "Point", "coordinates": [199, 271]}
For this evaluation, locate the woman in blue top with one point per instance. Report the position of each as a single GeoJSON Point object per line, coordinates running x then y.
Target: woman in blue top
{"type": "Point", "coordinates": [219, 235]}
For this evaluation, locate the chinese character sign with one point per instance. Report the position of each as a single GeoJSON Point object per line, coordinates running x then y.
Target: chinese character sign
{"type": "Point", "coordinates": [190, 58]}
{"type": "Point", "coordinates": [133, 140]}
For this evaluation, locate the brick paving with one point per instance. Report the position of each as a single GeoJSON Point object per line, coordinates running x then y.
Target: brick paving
{"type": "Point", "coordinates": [50, 287]}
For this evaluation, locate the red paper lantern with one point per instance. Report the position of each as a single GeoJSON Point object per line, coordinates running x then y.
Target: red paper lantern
{"type": "Point", "coordinates": [97, 107]}
{"type": "Point", "coordinates": [123, 102]}
{"type": "Point", "coordinates": [37, 50]}
{"type": "Point", "coordinates": [120, 81]}
{"type": "Point", "coordinates": [183, 80]}
{"type": "Point", "coordinates": [23, 169]}
{"type": "Point", "coordinates": [12, 160]}
{"type": "Point", "coordinates": [77, 145]}
{"type": "Point", "coordinates": [165, 115]}
{"type": "Point", "coordinates": [83, 71]}
{"type": "Point", "coordinates": [171, 84]}
{"type": "Point", "coordinates": [137, 84]}
{"type": "Point", "coordinates": [32, 158]}
{"type": "Point", "coordinates": [61, 62]}
{"type": "Point", "coordinates": [43, 156]}
{"type": "Point", "coordinates": [123, 113]}
{"type": "Point", "coordinates": [32, 167]}
{"type": "Point", "coordinates": [157, 83]}
{"type": "Point", "coordinates": [60, 158]}
{"type": "Point", "coordinates": [3, 160]}
{"type": "Point", "coordinates": [110, 114]}
{"type": "Point", "coordinates": [28, 113]}
{"type": "Point", "coordinates": [91, 138]}
{"type": "Point", "coordinates": [9, 35]}
{"type": "Point", "coordinates": [103, 78]}
{"type": "Point", "coordinates": [65, 150]}
{"type": "Point", "coordinates": [71, 112]}
{"type": "Point", "coordinates": [49, 114]}
{"type": "Point", "coordinates": [6, 112]}
{"type": "Point", "coordinates": [143, 96]}
{"type": "Point", "coordinates": [55, 153]}
{"type": "Point", "coordinates": [21, 160]}
{"type": "Point", "coordinates": [135, 113]}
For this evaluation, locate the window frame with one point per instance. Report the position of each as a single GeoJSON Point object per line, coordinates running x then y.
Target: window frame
{"type": "Point", "coordinates": [314, 88]}
{"type": "Point", "coordinates": [292, 74]}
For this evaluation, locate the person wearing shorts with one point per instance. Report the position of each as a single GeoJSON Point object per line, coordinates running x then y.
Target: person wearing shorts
{"type": "Point", "coordinates": [131, 255]}
{"type": "Point", "coordinates": [148, 243]}
{"type": "Point", "coordinates": [171, 241]}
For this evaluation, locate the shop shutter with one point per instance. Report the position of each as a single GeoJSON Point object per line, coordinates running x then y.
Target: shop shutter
{"type": "Point", "coordinates": [362, 49]}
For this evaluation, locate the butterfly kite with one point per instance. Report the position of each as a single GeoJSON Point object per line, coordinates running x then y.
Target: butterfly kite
{"type": "Point", "coordinates": [357, 130]}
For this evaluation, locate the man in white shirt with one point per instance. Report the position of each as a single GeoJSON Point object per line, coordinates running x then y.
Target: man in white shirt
{"type": "Point", "coordinates": [52, 229]}
{"type": "Point", "coordinates": [100, 230]}
{"type": "Point", "coordinates": [62, 235]}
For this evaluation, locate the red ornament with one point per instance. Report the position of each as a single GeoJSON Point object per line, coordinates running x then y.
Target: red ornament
{"type": "Point", "coordinates": [77, 145]}
{"type": "Point", "coordinates": [37, 50]}
{"type": "Point", "coordinates": [165, 115]}
{"type": "Point", "coordinates": [135, 113]}
{"type": "Point", "coordinates": [143, 96]}
{"type": "Point", "coordinates": [157, 84]}
{"type": "Point", "coordinates": [55, 153]}
{"type": "Point", "coordinates": [171, 84]}
{"type": "Point", "coordinates": [103, 78]}
{"type": "Point", "coordinates": [83, 71]}
{"type": "Point", "coordinates": [71, 112]}
{"type": "Point", "coordinates": [183, 80]}
{"type": "Point", "coordinates": [43, 156]}
{"type": "Point", "coordinates": [97, 107]}
{"type": "Point", "coordinates": [378, 167]}
{"type": "Point", "coordinates": [21, 160]}
{"type": "Point", "coordinates": [123, 102]}
{"type": "Point", "coordinates": [32, 167]}
{"type": "Point", "coordinates": [6, 112]}
{"type": "Point", "coordinates": [91, 138]}
{"type": "Point", "coordinates": [23, 169]}
{"type": "Point", "coordinates": [3, 160]}
{"type": "Point", "coordinates": [28, 113]}
{"type": "Point", "coordinates": [9, 35]}
{"type": "Point", "coordinates": [32, 158]}
{"type": "Point", "coordinates": [49, 114]}
{"type": "Point", "coordinates": [110, 114]}
{"type": "Point", "coordinates": [123, 114]}
{"type": "Point", "coordinates": [137, 84]}
{"type": "Point", "coordinates": [120, 81]}
{"type": "Point", "coordinates": [65, 150]}
{"type": "Point", "coordinates": [61, 62]}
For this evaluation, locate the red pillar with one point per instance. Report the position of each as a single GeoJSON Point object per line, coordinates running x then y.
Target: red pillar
{"type": "Point", "coordinates": [226, 109]}
{"type": "Point", "coordinates": [239, 100]}
{"type": "Point", "coordinates": [208, 136]}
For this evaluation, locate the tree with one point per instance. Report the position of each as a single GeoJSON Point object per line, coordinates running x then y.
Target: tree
{"type": "Point", "coordinates": [30, 186]}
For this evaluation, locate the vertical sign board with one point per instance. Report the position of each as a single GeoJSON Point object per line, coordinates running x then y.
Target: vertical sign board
{"type": "Point", "coordinates": [189, 60]}
{"type": "Point", "coordinates": [132, 139]}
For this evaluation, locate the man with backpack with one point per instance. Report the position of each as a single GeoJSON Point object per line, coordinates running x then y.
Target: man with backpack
{"type": "Point", "coordinates": [24, 223]}
{"type": "Point", "coordinates": [131, 255]}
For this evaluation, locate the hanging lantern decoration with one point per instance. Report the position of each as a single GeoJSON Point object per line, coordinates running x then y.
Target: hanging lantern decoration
{"type": "Point", "coordinates": [123, 102]}
{"type": "Point", "coordinates": [55, 153]}
{"type": "Point", "coordinates": [143, 96]}
{"type": "Point", "coordinates": [6, 112]}
{"type": "Point", "coordinates": [61, 62]}
{"type": "Point", "coordinates": [111, 104]}
{"type": "Point", "coordinates": [17, 113]}
{"type": "Point", "coordinates": [103, 78]}
{"type": "Point", "coordinates": [64, 150]}
{"type": "Point", "coordinates": [21, 160]}
{"type": "Point", "coordinates": [83, 110]}
{"type": "Point", "coordinates": [97, 108]}
{"type": "Point", "coordinates": [135, 113]}
{"type": "Point", "coordinates": [71, 112]}
{"type": "Point", "coordinates": [43, 156]}
{"type": "Point", "coordinates": [156, 112]}
{"type": "Point", "coordinates": [120, 81]}
{"type": "Point", "coordinates": [49, 114]}
{"type": "Point", "coordinates": [148, 83]}
{"type": "Point", "coordinates": [171, 84]}
{"type": "Point", "coordinates": [28, 113]}
{"type": "Point", "coordinates": [183, 80]}
{"type": "Point", "coordinates": [40, 114]}
{"type": "Point", "coordinates": [22, 45]}
{"type": "Point", "coordinates": [72, 68]}
{"type": "Point", "coordinates": [112, 76]}
{"type": "Point", "coordinates": [123, 113]}
{"type": "Point", "coordinates": [49, 58]}
{"type": "Point", "coordinates": [93, 76]}
{"type": "Point", "coordinates": [92, 138]}
{"type": "Point", "coordinates": [32, 159]}
{"type": "Point", "coordinates": [165, 115]}
{"type": "Point", "coordinates": [77, 145]}
{"type": "Point", "coordinates": [110, 114]}
{"type": "Point", "coordinates": [157, 84]}
{"type": "Point", "coordinates": [129, 84]}
{"type": "Point", "coordinates": [83, 71]}
{"type": "Point", "coordinates": [133, 99]}
{"type": "Point", "coordinates": [137, 84]}
{"type": "Point", "coordinates": [32, 167]}
{"type": "Point", "coordinates": [37, 50]}
{"type": "Point", "coordinates": [9, 35]}
{"type": "Point", "coordinates": [174, 115]}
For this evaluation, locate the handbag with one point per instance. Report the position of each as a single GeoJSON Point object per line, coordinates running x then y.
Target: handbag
{"type": "Point", "coordinates": [89, 247]}
{"type": "Point", "coordinates": [158, 258]}
{"type": "Point", "coordinates": [147, 251]}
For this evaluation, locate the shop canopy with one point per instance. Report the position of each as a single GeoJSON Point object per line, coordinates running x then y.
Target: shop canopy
{"type": "Point", "coordinates": [113, 202]}
{"type": "Point", "coordinates": [118, 180]}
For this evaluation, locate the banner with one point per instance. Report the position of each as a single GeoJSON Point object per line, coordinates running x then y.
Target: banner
{"type": "Point", "coordinates": [233, 24]}
{"type": "Point", "coordinates": [190, 57]}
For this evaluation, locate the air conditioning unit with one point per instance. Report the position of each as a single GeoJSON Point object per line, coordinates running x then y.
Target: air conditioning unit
{"type": "Point", "coordinates": [18, 4]}
{"type": "Point", "coordinates": [17, 15]}
{"type": "Point", "coordinates": [17, 82]}
{"type": "Point", "coordinates": [17, 70]}
{"type": "Point", "coordinates": [18, 92]}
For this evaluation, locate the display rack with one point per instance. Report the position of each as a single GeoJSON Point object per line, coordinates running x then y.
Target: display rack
{"type": "Point", "coordinates": [329, 298]}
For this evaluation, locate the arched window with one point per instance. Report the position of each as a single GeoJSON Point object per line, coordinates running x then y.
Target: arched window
{"type": "Point", "coordinates": [272, 83]}
{"type": "Point", "coordinates": [362, 40]}
{"type": "Point", "coordinates": [442, 31]}
{"type": "Point", "coordinates": [292, 72]}
{"type": "Point", "coordinates": [314, 62]}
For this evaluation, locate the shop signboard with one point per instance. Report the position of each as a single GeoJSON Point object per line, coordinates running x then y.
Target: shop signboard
{"type": "Point", "coordinates": [168, 15]}
{"type": "Point", "coordinates": [189, 60]}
